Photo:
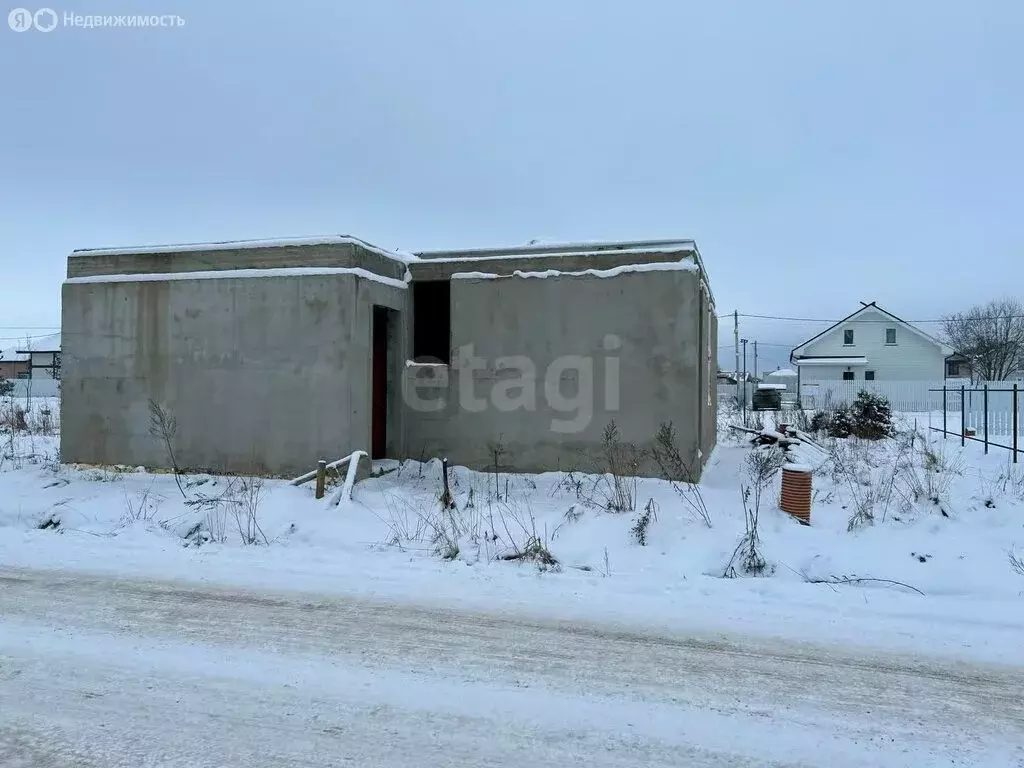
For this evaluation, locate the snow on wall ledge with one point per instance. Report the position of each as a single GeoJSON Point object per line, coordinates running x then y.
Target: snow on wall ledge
{"type": "Point", "coordinates": [231, 245]}
{"type": "Point", "coordinates": [566, 251]}
{"type": "Point", "coordinates": [228, 274]}
{"type": "Point", "coordinates": [657, 266]}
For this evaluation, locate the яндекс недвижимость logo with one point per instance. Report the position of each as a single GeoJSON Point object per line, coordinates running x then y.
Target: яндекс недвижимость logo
{"type": "Point", "coordinates": [22, 19]}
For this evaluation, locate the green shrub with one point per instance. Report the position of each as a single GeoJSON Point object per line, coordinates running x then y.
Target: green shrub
{"type": "Point", "coordinates": [842, 422]}
{"type": "Point", "coordinates": [821, 421]}
{"type": "Point", "coordinates": [872, 416]}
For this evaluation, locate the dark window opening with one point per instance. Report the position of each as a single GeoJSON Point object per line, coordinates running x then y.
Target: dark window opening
{"type": "Point", "coordinates": [847, 375]}
{"type": "Point", "coordinates": [890, 335]}
{"type": "Point", "coordinates": [869, 375]}
{"type": "Point", "coordinates": [847, 338]}
{"type": "Point", "coordinates": [431, 321]}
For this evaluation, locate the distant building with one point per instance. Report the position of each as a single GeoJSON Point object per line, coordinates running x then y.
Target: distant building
{"type": "Point", "coordinates": [782, 378]}
{"type": "Point", "coordinates": [872, 345]}
{"type": "Point", "coordinates": [14, 365]}
{"type": "Point", "coordinates": [43, 358]}
{"type": "Point", "coordinates": [958, 367]}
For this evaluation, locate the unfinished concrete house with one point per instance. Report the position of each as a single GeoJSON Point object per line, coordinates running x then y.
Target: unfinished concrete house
{"type": "Point", "coordinates": [271, 355]}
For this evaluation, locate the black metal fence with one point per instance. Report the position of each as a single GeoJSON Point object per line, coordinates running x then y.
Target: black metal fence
{"type": "Point", "coordinates": [987, 415]}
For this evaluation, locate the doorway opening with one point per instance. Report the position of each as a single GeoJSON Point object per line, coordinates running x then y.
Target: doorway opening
{"type": "Point", "coordinates": [382, 360]}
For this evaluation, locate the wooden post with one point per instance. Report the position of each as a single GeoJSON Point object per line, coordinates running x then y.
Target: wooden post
{"type": "Point", "coordinates": [1015, 423]}
{"type": "Point", "coordinates": [963, 415]}
{"type": "Point", "coordinates": [321, 478]}
{"type": "Point", "coordinates": [986, 419]}
{"type": "Point", "coordinates": [446, 499]}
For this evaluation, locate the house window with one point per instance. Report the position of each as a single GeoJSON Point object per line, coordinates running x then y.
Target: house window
{"type": "Point", "coordinates": [869, 375]}
{"type": "Point", "coordinates": [431, 321]}
{"type": "Point", "coordinates": [952, 369]}
{"type": "Point", "coordinates": [848, 337]}
{"type": "Point", "coordinates": [847, 375]}
{"type": "Point", "coordinates": [890, 335]}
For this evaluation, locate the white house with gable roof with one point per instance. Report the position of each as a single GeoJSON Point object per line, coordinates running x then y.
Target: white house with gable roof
{"type": "Point", "coordinates": [871, 345]}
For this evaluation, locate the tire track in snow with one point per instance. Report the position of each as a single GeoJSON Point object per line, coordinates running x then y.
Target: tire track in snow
{"type": "Point", "coordinates": [911, 701]}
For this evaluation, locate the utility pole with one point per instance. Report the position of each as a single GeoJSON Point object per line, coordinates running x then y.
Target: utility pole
{"type": "Point", "coordinates": [744, 400]}
{"type": "Point", "coordinates": [736, 342]}
{"type": "Point", "coordinates": [755, 360]}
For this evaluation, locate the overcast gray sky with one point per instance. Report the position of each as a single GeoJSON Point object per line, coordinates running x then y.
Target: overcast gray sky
{"type": "Point", "coordinates": [819, 152]}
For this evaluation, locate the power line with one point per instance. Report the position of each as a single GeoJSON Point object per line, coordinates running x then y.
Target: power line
{"type": "Point", "coordinates": [859, 320]}
{"type": "Point", "coordinates": [30, 338]}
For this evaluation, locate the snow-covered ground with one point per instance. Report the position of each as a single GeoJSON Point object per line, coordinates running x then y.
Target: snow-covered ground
{"type": "Point", "coordinates": [383, 544]}
{"type": "Point", "coordinates": [102, 672]}
{"type": "Point", "coordinates": [388, 541]}
{"type": "Point", "coordinates": [928, 581]}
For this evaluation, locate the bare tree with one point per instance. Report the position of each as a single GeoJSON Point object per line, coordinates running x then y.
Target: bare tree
{"type": "Point", "coordinates": [991, 336]}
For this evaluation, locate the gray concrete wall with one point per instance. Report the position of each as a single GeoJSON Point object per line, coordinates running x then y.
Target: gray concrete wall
{"type": "Point", "coordinates": [654, 314]}
{"type": "Point", "coordinates": [262, 374]}
{"type": "Point", "coordinates": [272, 373]}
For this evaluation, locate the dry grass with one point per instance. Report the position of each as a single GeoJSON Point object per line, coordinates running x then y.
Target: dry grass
{"type": "Point", "coordinates": [762, 466]}
{"type": "Point", "coordinates": [143, 507]}
{"type": "Point", "coordinates": [678, 472]}
{"type": "Point", "coordinates": [643, 523]}
{"type": "Point", "coordinates": [494, 530]}
{"type": "Point", "coordinates": [1016, 562]}
{"type": "Point", "coordinates": [239, 501]}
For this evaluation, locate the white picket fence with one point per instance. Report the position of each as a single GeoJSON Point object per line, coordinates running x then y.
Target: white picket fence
{"type": "Point", "coordinates": [971, 408]}
{"type": "Point", "coordinates": [964, 404]}
{"type": "Point", "coordinates": [909, 396]}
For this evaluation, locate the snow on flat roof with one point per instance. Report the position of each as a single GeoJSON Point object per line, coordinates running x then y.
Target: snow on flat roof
{"type": "Point", "coordinates": [230, 245]}
{"type": "Point", "coordinates": [551, 246]}
{"type": "Point", "coordinates": [49, 343]}
{"type": "Point", "coordinates": [227, 274]}
{"type": "Point", "coordinates": [12, 355]}
{"type": "Point", "coordinates": [772, 386]}
{"type": "Point", "coordinates": [832, 361]}
{"type": "Point", "coordinates": [498, 254]}
{"type": "Point", "coordinates": [654, 266]}
{"type": "Point", "coordinates": [783, 372]}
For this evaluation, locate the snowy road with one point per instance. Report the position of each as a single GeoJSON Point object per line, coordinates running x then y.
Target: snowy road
{"type": "Point", "coordinates": [100, 672]}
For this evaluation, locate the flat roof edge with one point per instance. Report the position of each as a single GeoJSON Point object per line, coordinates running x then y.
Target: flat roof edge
{"type": "Point", "coordinates": [555, 249]}
{"type": "Point", "coordinates": [232, 245]}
